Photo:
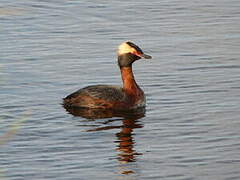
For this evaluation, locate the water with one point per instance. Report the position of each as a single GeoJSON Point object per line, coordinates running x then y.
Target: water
{"type": "Point", "coordinates": [191, 126]}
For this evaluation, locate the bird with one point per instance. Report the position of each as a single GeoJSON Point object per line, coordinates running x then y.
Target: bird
{"type": "Point", "coordinates": [127, 97]}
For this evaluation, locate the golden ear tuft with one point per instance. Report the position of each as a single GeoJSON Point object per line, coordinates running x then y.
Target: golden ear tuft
{"type": "Point", "coordinates": [125, 48]}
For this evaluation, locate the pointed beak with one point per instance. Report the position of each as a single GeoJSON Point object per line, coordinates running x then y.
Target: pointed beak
{"type": "Point", "coordinates": [145, 56]}
{"type": "Point", "coordinates": [141, 54]}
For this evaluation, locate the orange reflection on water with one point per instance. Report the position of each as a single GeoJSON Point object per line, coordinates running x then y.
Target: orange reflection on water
{"type": "Point", "coordinates": [126, 141]}
{"type": "Point", "coordinates": [125, 137]}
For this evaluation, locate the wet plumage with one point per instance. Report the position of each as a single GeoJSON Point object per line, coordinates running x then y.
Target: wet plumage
{"type": "Point", "coordinates": [96, 92]}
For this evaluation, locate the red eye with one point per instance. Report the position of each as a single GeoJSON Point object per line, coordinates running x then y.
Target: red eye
{"type": "Point", "coordinates": [137, 53]}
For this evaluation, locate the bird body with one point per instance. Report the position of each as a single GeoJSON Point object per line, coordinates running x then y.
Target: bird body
{"type": "Point", "coordinates": [130, 96]}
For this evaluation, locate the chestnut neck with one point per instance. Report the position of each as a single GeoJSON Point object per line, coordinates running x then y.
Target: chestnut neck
{"type": "Point", "coordinates": [129, 83]}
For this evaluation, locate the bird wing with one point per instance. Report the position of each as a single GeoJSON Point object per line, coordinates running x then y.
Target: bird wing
{"type": "Point", "coordinates": [104, 92]}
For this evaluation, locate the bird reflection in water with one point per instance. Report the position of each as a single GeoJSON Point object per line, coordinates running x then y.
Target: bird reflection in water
{"type": "Point", "coordinates": [125, 141]}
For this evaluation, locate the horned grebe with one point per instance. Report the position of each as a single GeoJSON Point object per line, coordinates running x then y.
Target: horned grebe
{"type": "Point", "coordinates": [128, 97]}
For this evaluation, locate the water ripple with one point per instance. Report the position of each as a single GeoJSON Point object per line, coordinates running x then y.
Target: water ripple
{"type": "Point", "coordinates": [190, 127]}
